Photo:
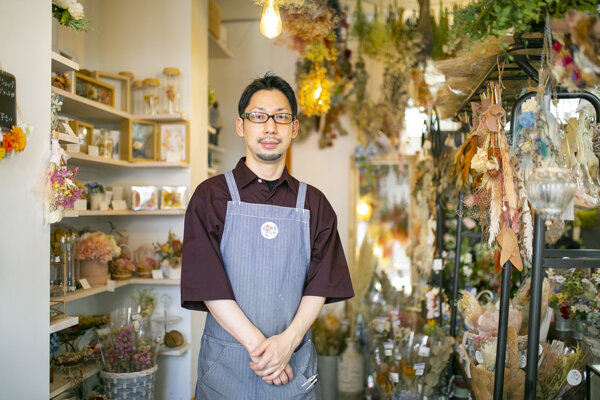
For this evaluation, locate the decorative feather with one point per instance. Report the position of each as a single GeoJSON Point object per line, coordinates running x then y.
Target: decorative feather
{"type": "Point", "coordinates": [495, 209]}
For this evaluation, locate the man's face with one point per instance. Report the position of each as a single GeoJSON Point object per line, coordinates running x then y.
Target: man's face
{"type": "Point", "coordinates": [267, 142]}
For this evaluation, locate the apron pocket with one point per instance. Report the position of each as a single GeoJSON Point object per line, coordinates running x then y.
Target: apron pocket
{"type": "Point", "coordinates": [211, 352]}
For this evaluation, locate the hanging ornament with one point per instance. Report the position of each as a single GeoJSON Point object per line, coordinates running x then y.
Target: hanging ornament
{"type": "Point", "coordinates": [314, 95]}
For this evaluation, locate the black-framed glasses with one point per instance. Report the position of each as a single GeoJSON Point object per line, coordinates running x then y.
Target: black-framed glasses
{"type": "Point", "coordinates": [261, 117]}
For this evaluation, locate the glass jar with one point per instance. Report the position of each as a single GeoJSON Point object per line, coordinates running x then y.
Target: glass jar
{"type": "Point", "coordinates": [171, 90]}
{"type": "Point", "coordinates": [107, 147]}
{"type": "Point", "coordinates": [137, 97]}
{"type": "Point", "coordinates": [57, 278]}
{"type": "Point", "coordinates": [151, 86]}
{"type": "Point", "coordinates": [68, 255]}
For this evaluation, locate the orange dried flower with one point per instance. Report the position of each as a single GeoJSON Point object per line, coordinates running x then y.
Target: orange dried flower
{"type": "Point", "coordinates": [20, 138]}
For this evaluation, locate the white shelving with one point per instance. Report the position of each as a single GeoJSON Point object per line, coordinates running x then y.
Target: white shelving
{"type": "Point", "coordinates": [212, 172]}
{"type": "Point", "coordinates": [62, 383]}
{"type": "Point", "coordinates": [62, 64]}
{"type": "Point", "coordinates": [160, 117]}
{"type": "Point", "coordinates": [96, 161]}
{"type": "Point", "coordinates": [83, 293]}
{"type": "Point", "coordinates": [173, 351]}
{"type": "Point", "coordinates": [216, 49]}
{"type": "Point", "coordinates": [115, 213]}
{"type": "Point", "coordinates": [63, 323]}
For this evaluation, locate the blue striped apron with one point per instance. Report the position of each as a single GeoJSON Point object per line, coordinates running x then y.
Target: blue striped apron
{"type": "Point", "coordinates": [266, 254]}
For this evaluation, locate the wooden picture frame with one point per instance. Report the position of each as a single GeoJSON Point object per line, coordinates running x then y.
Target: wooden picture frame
{"type": "Point", "coordinates": [123, 83]}
{"type": "Point", "coordinates": [94, 89]}
{"type": "Point", "coordinates": [174, 137]}
{"type": "Point", "coordinates": [138, 140]}
{"type": "Point", "coordinates": [85, 133]}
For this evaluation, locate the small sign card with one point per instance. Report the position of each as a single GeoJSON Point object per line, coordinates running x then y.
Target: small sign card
{"type": "Point", "coordinates": [110, 285]}
{"type": "Point", "coordinates": [84, 283]}
{"type": "Point", "coordinates": [119, 205]}
{"type": "Point", "coordinates": [93, 151]}
{"type": "Point", "coordinates": [157, 274]}
{"type": "Point", "coordinates": [437, 264]}
{"type": "Point", "coordinates": [173, 157]}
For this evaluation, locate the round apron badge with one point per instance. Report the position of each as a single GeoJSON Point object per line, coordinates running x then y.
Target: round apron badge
{"type": "Point", "coordinates": [269, 230]}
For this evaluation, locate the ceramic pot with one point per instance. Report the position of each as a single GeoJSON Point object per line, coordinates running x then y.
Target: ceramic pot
{"type": "Point", "coordinates": [94, 271]}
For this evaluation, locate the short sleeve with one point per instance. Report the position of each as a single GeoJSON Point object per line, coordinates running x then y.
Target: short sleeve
{"type": "Point", "coordinates": [328, 274]}
{"type": "Point", "coordinates": [203, 276]}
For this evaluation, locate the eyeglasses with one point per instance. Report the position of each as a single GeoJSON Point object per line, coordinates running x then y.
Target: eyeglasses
{"type": "Point", "coordinates": [262, 118]}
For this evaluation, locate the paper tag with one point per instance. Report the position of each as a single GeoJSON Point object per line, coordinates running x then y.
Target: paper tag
{"type": "Point", "coordinates": [103, 331]}
{"type": "Point", "coordinates": [387, 352]}
{"type": "Point", "coordinates": [157, 274]}
{"type": "Point", "coordinates": [569, 213]}
{"type": "Point", "coordinates": [522, 361]}
{"type": "Point", "coordinates": [417, 366]}
{"type": "Point", "coordinates": [574, 377]}
{"type": "Point", "coordinates": [394, 377]}
{"type": "Point", "coordinates": [479, 357]}
{"type": "Point", "coordinates": [73, 147]}
{"type": "Point", "coordinates": [437, 264]}
{"type": "Point", "coordinates": [424, 351]}
{"type": "Point", "coordinates": [419, 372]}
{"type": "Point", "coordinates": [93, 151]}
{"type": "Point", "coordinates": [136, 325]}
{"type": "Point", "coordinates": [84, 283]}
{"type": "Point", "coordinates": [119, 205]}
{"type": "Point", "coordinates": [173, 157]}
{"type": "Point", "coordinates": [110, 285]}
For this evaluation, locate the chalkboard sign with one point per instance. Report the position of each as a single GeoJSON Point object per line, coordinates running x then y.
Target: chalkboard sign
{"type": "Point", "coordinates": [8, 100]}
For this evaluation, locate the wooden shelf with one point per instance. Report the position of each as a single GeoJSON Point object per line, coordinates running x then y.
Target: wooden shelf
{"type": "Point", "coordinates": [211, 129]}
{"type": "Point", "coordinates": [217, 149]}
{"type": "Point", "coordinates": [62, 64]}
{"type": "Point", "coordinates": [95, 161]}
{"type": "Point", "coordinates": [216, 49]}
{"type": "Point", "coordinates": [81, 294]}
{"type": "Point", "coordinates": [63, 323]}
{"type": "Point", "coordinates": [114, 213]}
{"type": "Point", "coordinates": [87, 109]}
{"type": "Point", "coordinates": [62, 384]}
{"type": "Point", "coordinates": [173, 351]}
{"type": "Point", "coordinates": [212, 172]}
{"type": "Point", "coordinates": [160, 117]}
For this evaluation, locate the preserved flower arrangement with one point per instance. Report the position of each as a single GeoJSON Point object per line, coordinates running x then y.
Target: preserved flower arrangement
{"type": "Point", "coordinates": [170, 251]}
{"type": "Point", "coordinates": [128, 350]}
{"type": "Point", "coordinates": [97, 246]}
{"type": "Point", "coordinates": [70, 14]}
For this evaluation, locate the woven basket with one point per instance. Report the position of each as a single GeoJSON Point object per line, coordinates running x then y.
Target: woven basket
{"type": "Point", "coordinates": [121, 276]}
{"type": "Point", "coordinates": [131, 385]}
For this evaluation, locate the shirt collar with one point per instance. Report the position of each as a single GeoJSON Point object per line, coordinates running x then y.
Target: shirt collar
{"type": "Point", "coordinates": [244, 176]}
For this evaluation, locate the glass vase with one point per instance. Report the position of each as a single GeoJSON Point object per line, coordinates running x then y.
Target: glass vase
{"type": "Point", "coordinates": [351, 372]}
{"type": "Point", "coordinates": [68, 254]}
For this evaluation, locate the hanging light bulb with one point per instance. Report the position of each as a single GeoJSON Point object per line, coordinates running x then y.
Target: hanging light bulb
{"type": "Point", "coordinates": [318, 91]}
{"type": "Point", "coordinates": [270, 22]}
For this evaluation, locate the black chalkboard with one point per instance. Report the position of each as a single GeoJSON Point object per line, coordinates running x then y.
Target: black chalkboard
{"type": "Point", "coordinates": [8, 100]}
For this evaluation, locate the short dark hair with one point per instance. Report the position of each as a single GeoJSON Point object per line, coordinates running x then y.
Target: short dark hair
{"type": "Point", "coordinates": [268, 82]}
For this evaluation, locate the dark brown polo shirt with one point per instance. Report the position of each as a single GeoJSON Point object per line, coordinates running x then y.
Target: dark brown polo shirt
{"type": "Point", "coordinates": [203, 276]}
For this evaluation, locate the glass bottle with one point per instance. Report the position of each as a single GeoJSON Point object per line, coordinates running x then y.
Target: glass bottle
{"type": "Point", "coordinates": [137, 97]}
{"type": "Point", "coordinates": [68, 248]}
{"type": "Point", "coordinates": [56, 274]}
{"type": "Point", "coordinates": [171, 90]}
{"type": "Point", "coordinates": [151, 86]}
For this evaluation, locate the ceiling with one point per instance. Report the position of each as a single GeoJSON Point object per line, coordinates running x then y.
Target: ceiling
{"type": "Point", "coordinates": [247, 9]}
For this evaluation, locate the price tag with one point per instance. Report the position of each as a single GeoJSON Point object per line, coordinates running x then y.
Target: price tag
{"type": "Point", "coordinates": [419, 366]}
{"type": "Point", "coordinates": [84, 283]}
{"type": "Point", "coordinates": [574, 377]}
{"type": "Point", "coordinates": [173, 157]}
{"type": "Point", "coordinates": [119, 205]}
{"type": "Point", "coordinates": [73, 147]}
{"type": "Point", "coordinates": [394, 377]}
{"type": "Point", "coordinates": [136, 317]}
{"type": "Point", "coordinates": [424, 351]}
{"type": "Point", "coordinates": [157, 274]}
{"type": "Point", "coordinates": [110, 285]}
{"type": "Point", "coordinates": [136, 325]}
{"type": "Point", "coordinates": [419, 372]}
{"type": "Point", "coordinates": [437, 264]}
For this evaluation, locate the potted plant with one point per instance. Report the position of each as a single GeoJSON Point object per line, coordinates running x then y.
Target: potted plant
{"type": "Point", "coordinates": [169, 254]}
{"type": "Point", "coordinates": [95, 250]}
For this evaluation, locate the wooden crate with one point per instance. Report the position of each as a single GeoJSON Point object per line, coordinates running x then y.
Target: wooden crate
{"type": "Point", "coordinates": [84, 85]}
{"type": "Point", "coordinates": [124, 84]}
{"type": "Point", "coordinates": [136, 147]}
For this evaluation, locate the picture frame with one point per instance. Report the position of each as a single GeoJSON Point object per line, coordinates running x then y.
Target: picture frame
{"type": "Point", "coordinates": [138, 140]}
{"type": "Point", "coordinates": [174, 141]}
{"type": "Point", "coordinates": [120, 84]}
{"type": "Point", "coordinates": [93, 89]}
{"type": "Point", "coordinates": [85, 133]}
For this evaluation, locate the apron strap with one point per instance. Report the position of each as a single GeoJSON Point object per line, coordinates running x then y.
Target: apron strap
{"type": "Point", "coordinates": [233, 190]}
{"type": "Point", "coordinates": [301, 196]}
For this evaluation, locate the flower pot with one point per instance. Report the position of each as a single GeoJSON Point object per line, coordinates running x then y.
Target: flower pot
{"type": "Point", "coordinates": [174, 273]}
{"type": "Point", "coordinates": [327, 370]}
{"type": "Point", "coordinates": [130, 385]}
{"type": "Point", "coordinates": [561, 324]}
{"type": "Point", "coordinates": [145, 273]}
{"type": "Point", "coordinates": [94, 271]}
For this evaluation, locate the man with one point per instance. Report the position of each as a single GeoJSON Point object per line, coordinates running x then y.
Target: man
{"type": "Point", "coordinates": [261, 254]}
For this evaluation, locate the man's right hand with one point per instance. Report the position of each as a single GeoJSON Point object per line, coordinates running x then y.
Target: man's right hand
{"type": "Point", "coordinates": [286, 376]}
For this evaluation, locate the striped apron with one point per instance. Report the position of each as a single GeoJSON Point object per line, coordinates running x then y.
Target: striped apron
{"type": "Point", "coordinates": [266, 254]}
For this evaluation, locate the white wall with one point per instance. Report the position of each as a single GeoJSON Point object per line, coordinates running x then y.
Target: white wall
{"type": "Point", "coordinates": [24, 238]}
{"type": "Point", "coordinates": [254, 55]}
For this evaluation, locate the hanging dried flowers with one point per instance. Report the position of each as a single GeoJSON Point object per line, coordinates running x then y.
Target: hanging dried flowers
{"type": "Point", "coordinates": [15, 140]}
{"type": "Point", "coordinates": [314, 95]}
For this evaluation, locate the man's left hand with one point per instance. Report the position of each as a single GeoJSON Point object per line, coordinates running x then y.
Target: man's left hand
{"type": "Point", "coordinates": [273, 355]}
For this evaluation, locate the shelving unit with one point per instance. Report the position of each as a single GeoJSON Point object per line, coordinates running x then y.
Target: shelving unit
{"type": "Point", "coordinates": [83, 293]}
{"type": "Point", "coordinates": [62, 383]}
{"type": "Point", "coordinates": [87, 109]}
{"type": "Point", "coordinates": [217, 149]}
{"type": "Point", "coordinates": [216, 49]}
{"type": "Point", "coordinates": [115, 213]}
{"type": "Point", "coordinates": [173, 351]}
{"type": "Point", "coordinates": [63, 323]}
{"type": "Point", "coordinates": [96, 161]}
{"type": "Point", "coordinates": [62, 64]}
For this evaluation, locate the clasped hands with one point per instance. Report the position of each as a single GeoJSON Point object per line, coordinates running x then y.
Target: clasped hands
{"type": "Point", "coordinates": [270, 360]}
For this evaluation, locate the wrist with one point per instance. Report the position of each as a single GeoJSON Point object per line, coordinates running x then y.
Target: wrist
{"type": "Point", "coordinates": [252, 340]}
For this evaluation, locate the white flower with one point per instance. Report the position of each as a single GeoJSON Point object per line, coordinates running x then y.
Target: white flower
{"type": "Point", "coordinates": [468, 271]}
{"type": "Point", "coordinates": [61, 3]}
{"type": "Point", "coordinates": [529, 105]}
{"type": "Point", "coordinates": [479, 160]}
{"type": "Point", "coordinates": [76, 11]}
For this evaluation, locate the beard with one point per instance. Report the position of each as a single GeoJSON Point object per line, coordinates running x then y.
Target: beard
{"type": "Point", "coordinates": [269, 157]}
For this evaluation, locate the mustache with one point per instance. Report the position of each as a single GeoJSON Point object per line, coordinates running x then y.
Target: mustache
{"type": "Point", "coordinates": [270, 139]}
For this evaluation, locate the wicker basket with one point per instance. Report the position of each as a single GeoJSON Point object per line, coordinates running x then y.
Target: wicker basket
{"type": "Point", "coordinates": [121, 275]}
{"type": "Point", "coordinates": [131, 385]}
